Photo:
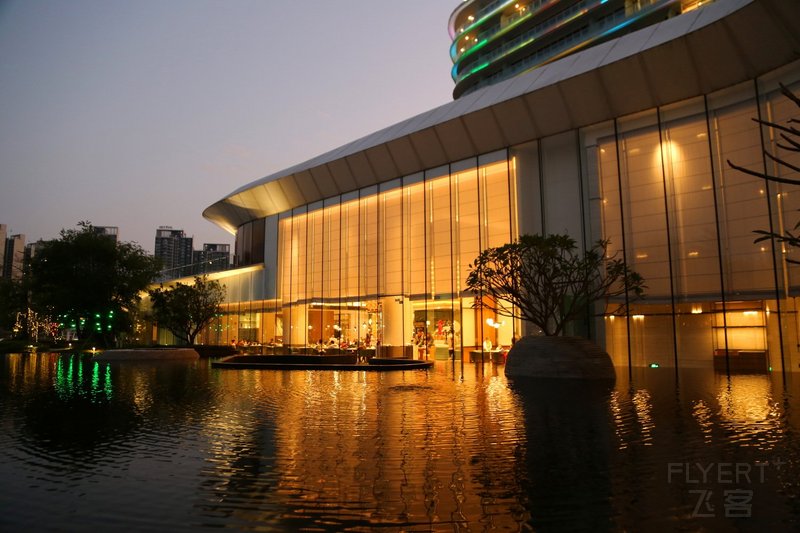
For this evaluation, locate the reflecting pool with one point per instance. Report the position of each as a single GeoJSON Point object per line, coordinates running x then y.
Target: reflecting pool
{"type": "Point", "coordinates": [179, 446]}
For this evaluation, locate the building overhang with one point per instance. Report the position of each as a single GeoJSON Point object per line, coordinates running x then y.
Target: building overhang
{"type": "Point", "coordinates": [702, 51]}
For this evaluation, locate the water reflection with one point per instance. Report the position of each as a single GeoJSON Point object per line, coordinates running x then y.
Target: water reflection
{"type": "Point", "coordinates": [408, 451]}
{"type": "Point", "coordinates": [360, 448]}
{"type": "Point", "coordinates": [68, 379]}
{"type": "Point", "coordinates": [568, 447]}
{"type": "Point", "coordinates": [748, 411]}
{"type": "Point", "coordinates": [704, 416]}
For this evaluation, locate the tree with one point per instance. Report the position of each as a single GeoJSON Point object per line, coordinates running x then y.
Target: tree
{"type": "Point", "coordinates": [543, 279]}
{"type": "Point", "coordinates": [791, 143]}
{"type": "Point", "coordinates": [90, 282]}
{"type": "Point", "coordinates": [186, 309]}
{"type": "Point", "coordinates": [13, 300]}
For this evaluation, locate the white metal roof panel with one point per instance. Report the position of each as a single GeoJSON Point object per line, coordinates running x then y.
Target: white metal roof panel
{"type": "Point", "coordinates": [723, 43]}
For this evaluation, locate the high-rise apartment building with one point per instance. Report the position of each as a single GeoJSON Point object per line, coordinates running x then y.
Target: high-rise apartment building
{"type": "Point", "coordinates": [109, 231]}
{"type": "Point", "coordinates": [212, 258]}
{"type": "Point", "coordinates": [3, 234]}
{"type": "Point", "coordinates": [174, 249]}
{"type": "Point", "coordinates": [13, 256]}
{"type": "Point", "coordinates": [31, 249]}
{"type": "Point", "coordinates": [494, 40]}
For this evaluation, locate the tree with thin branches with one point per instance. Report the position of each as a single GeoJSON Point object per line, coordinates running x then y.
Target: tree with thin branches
{"type": "Point", "coordinates": [547, 282]}
{"type": "Point", "coordinates": [790, 142]}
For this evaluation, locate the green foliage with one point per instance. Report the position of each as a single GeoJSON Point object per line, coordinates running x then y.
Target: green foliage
{"type": "Point", "coordinates": [186, 309]}
{"type": "Point", "coordinates": [790, 142]}
{"type": "Point", "coordinates": [544, 280]}
{"type": "Point", "coordinates": [89, 281]}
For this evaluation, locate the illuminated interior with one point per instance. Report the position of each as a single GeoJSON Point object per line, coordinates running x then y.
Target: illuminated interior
{"type": "Point", "coordinates": [367, 247]}
{"type": "Point", "coordinates": [385, 271]}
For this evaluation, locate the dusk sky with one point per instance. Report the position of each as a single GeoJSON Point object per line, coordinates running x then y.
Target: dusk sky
{"type": "Point", "coordinates": [142, 113]}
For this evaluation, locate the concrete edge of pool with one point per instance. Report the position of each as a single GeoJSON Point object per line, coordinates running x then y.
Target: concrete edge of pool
{"type": "Point", "coordinates": [146, 354]}
{"type": "Point", "coordinates": [311, 362]}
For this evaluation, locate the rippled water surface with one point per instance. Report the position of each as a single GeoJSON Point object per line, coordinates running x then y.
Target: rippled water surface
{"type": "Point", "coordinates": [177, 446]}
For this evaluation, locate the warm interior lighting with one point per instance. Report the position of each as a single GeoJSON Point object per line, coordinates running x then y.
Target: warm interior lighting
{"type": "Point", "coordinates": [697, 310]}
{"type": "Point", "coordinates": [638, 317]}
{"type": "Point", "coordinates": [641, 255]}
{"type": "Point", "coordinates": [671, 153]}
{"type": "Point", "coordinates": [694, 254]}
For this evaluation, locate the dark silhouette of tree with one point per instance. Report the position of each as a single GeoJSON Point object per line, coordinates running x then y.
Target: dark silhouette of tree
{"type": "Point", "coordinates": [186, 309]}
{"type": "Point", "coordinates": [13, 300]}
{"type": "Point", "coordinates": [545, 281]}
{"type": "Point", "coordinates": [790, 136]}
{"type": "Point", "coordinates": [90, 282]}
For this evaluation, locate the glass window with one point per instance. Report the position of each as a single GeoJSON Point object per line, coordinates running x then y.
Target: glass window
{"type": "Point", "coordinates": [743, 202]}
{"type": "Point", "coordinates": [693, 229]}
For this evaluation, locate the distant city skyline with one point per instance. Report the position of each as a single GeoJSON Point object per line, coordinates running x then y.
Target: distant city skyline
{"type": "Point", "coordinates": [141, 114]}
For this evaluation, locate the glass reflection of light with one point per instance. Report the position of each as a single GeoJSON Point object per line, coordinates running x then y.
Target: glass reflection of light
{"type": "Point", "coordinates": [702, 413]}
{"type": "Point", "coordinates": [142, 395]}
{"type": "Point", "coordinates": [633, 419]}
{"type": "Point", "coordinates": [620, 428]}
{"type": "Point", "coordinates": [643, 404]}
{"type": "Point", "coordinates": [748, 411]}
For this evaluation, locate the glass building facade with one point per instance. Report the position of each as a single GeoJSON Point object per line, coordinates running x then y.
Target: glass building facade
{"type": "Point", "coordinates": [382, 267]}
{"type": "Point", "coordinates": [368, 247]}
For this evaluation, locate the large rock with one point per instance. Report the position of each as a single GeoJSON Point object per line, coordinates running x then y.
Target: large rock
{"type": "Point", "coordinates": [559, 357]}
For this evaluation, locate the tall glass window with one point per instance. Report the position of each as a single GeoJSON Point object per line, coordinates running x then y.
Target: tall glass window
{"type": "Point", "coordinates": [384, 272]}
{"type": "Point", "coordinates": [392, 333]}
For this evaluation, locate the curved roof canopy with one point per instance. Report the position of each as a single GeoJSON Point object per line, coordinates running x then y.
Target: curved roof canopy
{"type": "Point", "coordinates": [722, 44]}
